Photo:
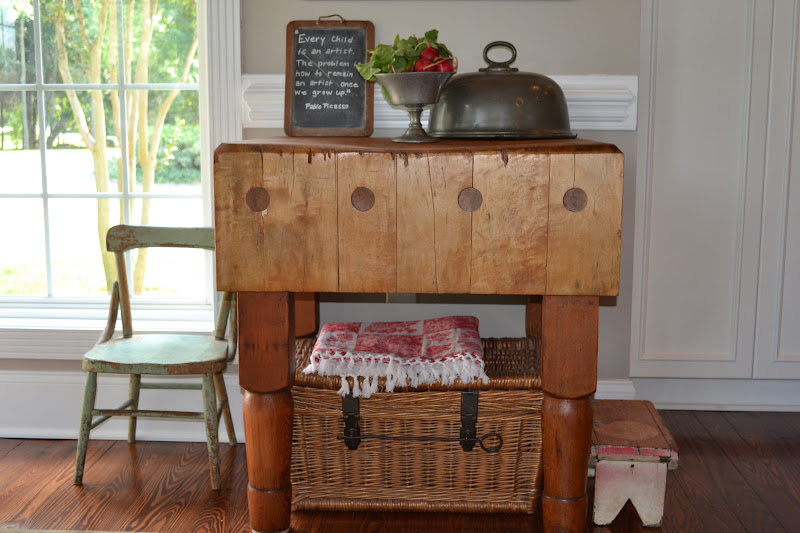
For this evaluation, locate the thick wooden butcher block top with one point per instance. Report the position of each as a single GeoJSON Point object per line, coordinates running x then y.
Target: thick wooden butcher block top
{"type": "Point", "coordinates": [370, 215]}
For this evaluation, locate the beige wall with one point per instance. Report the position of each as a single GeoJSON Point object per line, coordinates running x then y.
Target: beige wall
{"type": "Point", "coordinates": [551, 37]}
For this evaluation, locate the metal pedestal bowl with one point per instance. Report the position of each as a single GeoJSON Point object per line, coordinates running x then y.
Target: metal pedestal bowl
{"type": "Point", "coordinates": [414, 90]}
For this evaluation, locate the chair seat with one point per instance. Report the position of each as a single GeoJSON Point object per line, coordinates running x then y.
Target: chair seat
{"type": "Point", "coordinates": [166, 354]}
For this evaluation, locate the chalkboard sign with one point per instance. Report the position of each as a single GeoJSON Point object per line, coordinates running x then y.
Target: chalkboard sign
{"type": "Point", "coordinates": [325, 94]}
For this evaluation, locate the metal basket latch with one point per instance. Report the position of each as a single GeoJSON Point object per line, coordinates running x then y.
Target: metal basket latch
{"type": "Point", "coordinates": [350, 412]}
{"type": "Point", "coordinates": [467, 438]}
{"type": "Point", "coordinates": [469, 417]}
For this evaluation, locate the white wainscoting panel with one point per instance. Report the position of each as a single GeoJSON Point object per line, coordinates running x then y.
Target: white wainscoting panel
{"type": "Point", "coordinates": [594, 102]}
{"type": "Point", "coordinates": [778, 334]}
{"type": "Point", "coordinates": [47, 405]}
{"type": "Point", "coordinates": [704, 76]}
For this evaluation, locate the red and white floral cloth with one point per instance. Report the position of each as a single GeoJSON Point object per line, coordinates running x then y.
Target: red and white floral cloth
{"type": "Point", "coordinates": [420, 352]}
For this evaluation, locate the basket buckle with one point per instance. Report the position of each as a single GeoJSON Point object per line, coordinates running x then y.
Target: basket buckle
{"type": "Point", "coordinates": [350, 414]}
{"type": "Point", "coordinates": [467, 438]}
{"type": "Point", "coordinates": [469, 417]}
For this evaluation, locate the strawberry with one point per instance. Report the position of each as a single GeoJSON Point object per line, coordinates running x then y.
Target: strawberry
{"type": "Point", "coordinates": [423, 65]}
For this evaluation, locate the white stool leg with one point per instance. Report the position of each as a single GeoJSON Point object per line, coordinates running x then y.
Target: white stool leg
{"type": "Point", "coordinates": [643, 484]}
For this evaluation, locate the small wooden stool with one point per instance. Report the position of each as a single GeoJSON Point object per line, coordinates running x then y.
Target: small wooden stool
{"type": "Point", "coordinates": [631, 452]}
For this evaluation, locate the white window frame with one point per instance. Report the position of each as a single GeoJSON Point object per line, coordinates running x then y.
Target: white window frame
{"type": "Point", "coordinates": [64, 329]}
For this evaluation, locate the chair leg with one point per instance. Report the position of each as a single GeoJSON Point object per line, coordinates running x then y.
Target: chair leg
{"type": "Point", "coordinates": [89, 394]}
{"type": "Point", "coordinates": [212, 428]}
{"type": "Point", "coordinates": [133, 394]}
{"type": "Point", "coordinates": [222, 396]}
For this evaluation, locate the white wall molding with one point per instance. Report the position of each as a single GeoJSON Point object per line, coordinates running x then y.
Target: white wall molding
{"type": "Point", "coordinates": [223, 62]}
{"type": "Point", "coordinates": [47, 406]}
{"type": "Point", "coordinates": [595, 103]}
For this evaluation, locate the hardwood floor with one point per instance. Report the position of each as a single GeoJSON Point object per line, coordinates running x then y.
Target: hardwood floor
{"type": "Point", "coordinates": [738, 472]}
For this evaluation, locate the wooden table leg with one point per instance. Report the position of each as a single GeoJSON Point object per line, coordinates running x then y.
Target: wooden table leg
{"type": "Point", "coordinates": [306, 314]}
{"type": "Point", "coordinates": [266, 372]}
{"type": "Point", "coordinates": [533, 317]}
{"type": "Point", "coordinates": [569, 379]}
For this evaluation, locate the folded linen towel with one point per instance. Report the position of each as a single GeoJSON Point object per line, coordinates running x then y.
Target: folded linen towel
{"type": "Point", "coordinates": [416, 353]}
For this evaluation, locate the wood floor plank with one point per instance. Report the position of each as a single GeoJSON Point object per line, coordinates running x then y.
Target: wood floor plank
{"type": "Point", "coordinates": [170, 482]}
{"type": "Point", "coordinates": [237, 519]}
{"type": "Point", "coordinates": [92, 503]}
{"type": "Point", "coordinates": [217, 513]}
{"type": "Point", "coordinates": [6, 445]}
{"type": "Point", "coordinates": [112, 486]}
{"type": "Point", "coordinates": [708, 478]}
{"type": "Point", "coordinates": [731, 464]}
{"type": "Point", "coordinates": [750, 464]}
{"type": "Point", "coordinates": [17, 457]}
{"type": "Point", "coordinates": [43, 467]}
{"type": "Point", "coordinates": [772, 439]}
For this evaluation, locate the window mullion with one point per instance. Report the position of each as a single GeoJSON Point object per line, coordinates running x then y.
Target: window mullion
{"type": "Point", "coordinates": [40, 104]}
{"type": "Point", "coordinates": [124, 177]}
{"type": "Point", "coordinates": [123, 114]}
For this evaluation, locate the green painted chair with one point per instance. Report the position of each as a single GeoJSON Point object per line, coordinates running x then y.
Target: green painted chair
{"type": "Point", "coordinates": [159, 354]}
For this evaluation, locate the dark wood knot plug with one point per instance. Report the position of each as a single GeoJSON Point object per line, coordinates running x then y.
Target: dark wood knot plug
{"type": "Point", "coordinates": [257, 199]}
{"type": "Point", "coordinates": [470, 199]}
{"type": "Point", "coordinates": [575, 200]}
{"type": "Point", "coordinates": [362, 199]}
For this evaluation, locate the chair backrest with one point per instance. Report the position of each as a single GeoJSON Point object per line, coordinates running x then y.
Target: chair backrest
{"type": "Point", "coordinates": [125, 237]}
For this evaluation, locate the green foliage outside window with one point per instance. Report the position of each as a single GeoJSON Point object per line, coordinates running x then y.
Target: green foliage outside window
{"type": "Point", "coordinates": [102, 42]}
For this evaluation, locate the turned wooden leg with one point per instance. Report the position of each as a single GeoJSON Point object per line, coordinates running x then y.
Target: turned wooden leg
{"type": "Point", "coordinates": [266, 372]}
{"type": "Point", "coordinates": [569, 379]}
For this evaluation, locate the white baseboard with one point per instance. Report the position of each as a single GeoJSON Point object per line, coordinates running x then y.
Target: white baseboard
{"type": "Point", "coordinates": [720, 394]}
{"type": "Point", "coordinates": [615, 389]}
{"type": "Point", "coordinates": [46, 405]}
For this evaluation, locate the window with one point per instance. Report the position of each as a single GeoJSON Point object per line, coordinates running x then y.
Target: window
{"type": "Point", "coordinates": [99, 124]}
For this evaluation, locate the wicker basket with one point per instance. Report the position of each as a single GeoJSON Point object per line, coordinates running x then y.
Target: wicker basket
{"type": "Point", "coordinates": [396, 475]}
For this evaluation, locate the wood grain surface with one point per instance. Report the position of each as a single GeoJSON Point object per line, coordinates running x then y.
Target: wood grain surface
{"type": "Point", "coordinates": [738, 472]}
{"type": "Point", "coordinates": [452, 230]}
{"type": "Point", "coordinates": [509, 231]}
{"type": "Point", "coordinates": [434, 233]}
{"type": "Point", "coordinates": [266, 340]}
{"type": "Point", "coordinates": [239, 230]}
{"type": "Point", "coordinates": [626, 423]}
{"type": "Point", "coordinates": [407, 231]}
{"type": "Point", "coordinates": [583, 247]}
{"type": "Point", "coordinates": [416, 235]}
{"type": "Point", "coordinates": [367, 239]}
{"type": "Point", "coordinates": [299, 227]}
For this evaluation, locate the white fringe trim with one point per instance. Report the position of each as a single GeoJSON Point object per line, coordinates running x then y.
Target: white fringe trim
{"type": "Point", "coordinates": [414, 372]}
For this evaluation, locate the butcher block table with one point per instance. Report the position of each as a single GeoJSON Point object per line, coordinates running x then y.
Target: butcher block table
{"type": "Point", "coordinates": [300, 216]}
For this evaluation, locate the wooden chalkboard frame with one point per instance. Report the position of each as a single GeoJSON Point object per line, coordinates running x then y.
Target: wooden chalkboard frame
{"type": "Point", "coordinates": [291, 55]}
